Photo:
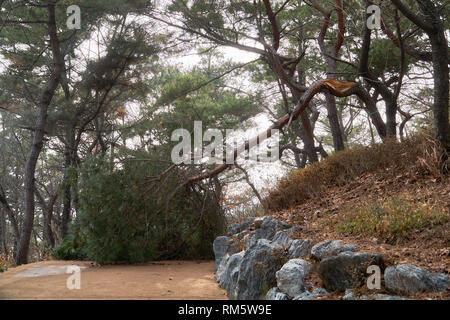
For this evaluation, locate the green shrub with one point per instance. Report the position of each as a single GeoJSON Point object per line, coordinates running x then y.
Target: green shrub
{"type": "Point", "coordinates": [125, 216]}
{"type": "Point", "coordinates": [72, 247]}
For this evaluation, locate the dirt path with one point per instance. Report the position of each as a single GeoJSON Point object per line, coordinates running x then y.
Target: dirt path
{"type": "Point", "coordinates": [168, 280]}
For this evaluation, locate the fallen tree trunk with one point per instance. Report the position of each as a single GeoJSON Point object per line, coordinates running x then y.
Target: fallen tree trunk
{"type": "Point", "coordinates": [333, 86]}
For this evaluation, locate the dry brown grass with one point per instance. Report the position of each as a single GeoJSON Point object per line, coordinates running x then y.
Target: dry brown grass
{"type": "Point", "coordinates": [391, 219]}
{"type": "Point", "coordinates": [6, 262]}
{"type": "Point", "coordinates": [418, 156]}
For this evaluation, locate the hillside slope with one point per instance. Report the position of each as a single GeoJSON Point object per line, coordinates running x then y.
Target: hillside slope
{"type": "Point", "coordinates": [387, 198]}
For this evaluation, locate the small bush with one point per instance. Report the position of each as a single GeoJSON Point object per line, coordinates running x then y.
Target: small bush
{"type": "Point", "coordinates": [391, 219]}
{"type": "Point", "coordinates": [6, 261]}
{"type": "Point", "coordinates": [73, 246]}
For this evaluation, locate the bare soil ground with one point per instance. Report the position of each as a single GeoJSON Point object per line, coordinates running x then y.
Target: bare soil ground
{"type": "Point", "coordinates": [165, 280]}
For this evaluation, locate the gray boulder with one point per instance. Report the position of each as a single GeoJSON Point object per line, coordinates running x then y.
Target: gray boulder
{"type": "Point", "coordinates": [221, 268]}
{"type": "Point", "coordinates": [252, 237]}
{"type": "Point", "coordinates": [274, 294]}
{"type": "Point", "coordinates": [270, 222]}
{"type": "Point", "coordinates": [330, 248]}
{"type": "Point", "coordinates": [249, 240]}
{"type": "Point", "coordinates": [384, 297]}
{"type": "Point", "coordinates": [257, 270]}
{"type": "Point", "coordinates": [290, 278]}
{"type": "Point", "coordinates": [347, 270]}
{"type": "Point", "coordinates": [239, 227]}
{"type": "Point", "coordinates": [268, 228]}
{"type": "Point", "coordinates": [349, 295]}
{"type": "Point", "coordinates": [263, 234]}
{"type": "Point", "coordinates": [257, 222]}
{"type": "Point", "coordinates": [312, 295]}
{"type": "Point", "coordinates": [233, 229]}
{"type": "Point", "coordinates": [241, 235]}
{"type": "Point", "coordinates": [283, 237]}
{"type": "Point", "coordinates": [304, 296]}
{"type": "Point", "coordinates": [320, 292]}
{"type": "Point", "coordinates": [223, 245]}
{"type": "Point", "coordinates": [229, 279]}
{"type": "Point", "coordinates": [407, 279]}
{"type": "Point", "coordinates": [299, 248]}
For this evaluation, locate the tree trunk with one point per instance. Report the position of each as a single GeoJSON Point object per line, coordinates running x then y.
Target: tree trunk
{"type": "Point", "coordinates": [3, 232]}
{"type": "Point", "coordinates": [439, 51]}
{"type": "Point", "coordinates": [388, 96]}
{"type": "Point", "coordinates": [309, 146]}
{"type": "Point", "coordinates": [302, 132]}
{"type": "Point", "coordinates": [391, 114]}
{"type": "Point", "coordinates": [441, 89]}
{"type": "Point", "coordinates": [305, 131]}
{"type": "Point", "coordinates": [69, 164]}
{"type": "Point", "coordinates": [11, 215]}
{"type": "Point", "coordinates": [332, 114]}
{"type": "Point", "coordinates": [48, 233]}
{"type": "Point", "coordinates": [298, 161]}
{"type": "Point", "coordinates": [336, 130]}
{"type": "Point", "coordinates": [37, 140]}
{"type": "Point", "coordinates": [67, 208]}
{"type": "Point", "coordinates": [431, 23]}
{"type": "Point", "coordinates": [48, 236]}
{"type": "Point", "coordinates": [372, 110]}
{"type": "Point", "coordinates": [329, 56]}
